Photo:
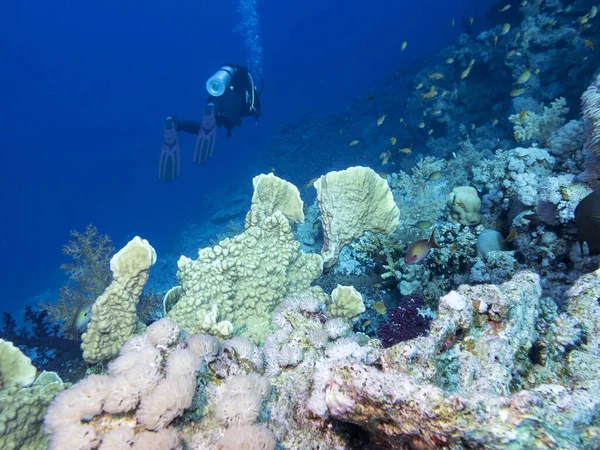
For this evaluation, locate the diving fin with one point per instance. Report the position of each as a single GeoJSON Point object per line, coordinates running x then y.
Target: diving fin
{"type": "Point", "coordinates": [169, 164]}
{"type": "Point", "coordinates": [205, 143]}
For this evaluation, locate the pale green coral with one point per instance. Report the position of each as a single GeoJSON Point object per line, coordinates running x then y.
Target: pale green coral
{"type": "Point", "coordinates": [22, 408]}
{"type": "Point", "coordinates": [274, 194]}
{"type": "Point", "coordinates": [241, 280]}
{"type": "Point", "coordinates": [114, 315]}
{"type": "Point", "coordinates": [463, 206]}
{"type": "Point", "coordinates": [21, 414]}
{"type": "Point", "coordinates": [15, 368]}
{"type": "Point", "coordinates": [353, 201]}
{"type": "Point", "coordinates": [346, 302]}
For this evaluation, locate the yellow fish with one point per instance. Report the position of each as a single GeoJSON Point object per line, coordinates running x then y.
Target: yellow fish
{"type": "Point", "coordinates": [524, 35]}
{"type": "Point", "coordinates": [422, 224]}
{"type": "Point", "coordinates": [583, 19]}
{"type": "Point", "coordinates": [353, 143]}
{"type": "Point", "coordinates": [449, 60]}
{"type": "Point", "coordinates": [455, 93]}
{"type": "Point", "coordinates": [516, 92]}
{"type": "Point", "coordinates": [430, 131]}
{"type": "Point", "coordinates": [524, 77]}
{"type": "Point", "coordinates": [511, 236]}
{"type": "Point", "coordinates": [421, 125]}
{"type": "Point", "coordinates": [403, 46]}
{"type": "Point", "coordinates": [505, 8]}
{"type": "Point", "coordinates": [472, 126]}
{"type": "Point", "coordinates": [379, 307]}
{"type": "Point", "coordinates": [406, 150]}
{"type": "Point", "coordinates": [376, 285]}
{"type": "Point", "coordinates": [495, 40]}
{"type": "Point", "coordinates": [589, 44]}
{"type": "Point", "coordinates": [311, 182]}
{"type": "Point", "coordinates": [424, 113]}
{"type": "Point", "coordinates": [272, 169]}
{"type": "Point", "coordinates": [495, 122]}
{"type": "Point", "coordinates": [383, 175]}
{"type": "Point", "coordinates": [523, 114]}
{"type": "Point", "coordinates": [381, 120]}
{"type": "Point", "coordinates": [452, 22]}
{"type": "Point", "coordinates": [537, 71]}
{"type": "Point", "coordinates": [366, 323]}
{"type": "Point", "coordinates": [393, 140]}
{"type": "Point", "coordinates": [432, 93]}
{"type": "Point", "coordinates": [435, 76]}
{"type": "Point", "coordinates": [505, 29]}
{"type": "Point", "coordinates": [401, 120]}
{"type": "Point", "coordinates": [471, 20]}
{"type": "Point", "coordinates": [419, 86]}
{"type": "Point", "coordinates": [592, 12]}
{"type": "Point", "coordinates": [509, 54]}
{"type": "Point", "coordinates": [517, 36]}
{"type": "Point", "coordinates": [465, 73]}
{"type": "Point", "coordinates": [444, 93]}
{"type": "Point", "coordinates": [435, 112]}
{"type": "Point", "coordinates": [384, 157]}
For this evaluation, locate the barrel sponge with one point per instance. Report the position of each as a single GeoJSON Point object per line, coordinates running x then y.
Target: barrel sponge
{"type": "Point", "coordinates": [15, 368]}
{"type": "Point", "coordinates": [272, 194]}
{"type": "Point", "coordinates": [241, 280]}
{"type": "Point", "coordinates": [347, 302]}
{"type": "Point", "coordinates": [353, 201]}
{"type": "Point", "coordinates": [113, 314]}
{"type": "Point", "coordinates": [463, 206]}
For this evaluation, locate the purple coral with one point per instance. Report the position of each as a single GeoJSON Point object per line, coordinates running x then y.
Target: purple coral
{"type": "Point", "coordinates": [405, 322]}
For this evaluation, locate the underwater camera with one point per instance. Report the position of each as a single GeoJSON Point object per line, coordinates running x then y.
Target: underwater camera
{"type": "Point", "coordinates": [220, 81]}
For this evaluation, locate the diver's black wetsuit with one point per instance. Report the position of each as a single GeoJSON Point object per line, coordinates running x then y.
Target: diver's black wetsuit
{"type": "Point", "coordinates": [239, 100]}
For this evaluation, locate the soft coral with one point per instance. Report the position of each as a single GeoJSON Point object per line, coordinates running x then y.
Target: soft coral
{"type": "Point", "coordinates": [405, 322]}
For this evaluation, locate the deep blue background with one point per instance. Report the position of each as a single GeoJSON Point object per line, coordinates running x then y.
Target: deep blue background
{"type": "Point", "coordinates": [85, 87]}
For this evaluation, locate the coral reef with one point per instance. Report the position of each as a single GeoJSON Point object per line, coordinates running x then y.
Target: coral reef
{"type": "Point", "coordinates": [469, 381]}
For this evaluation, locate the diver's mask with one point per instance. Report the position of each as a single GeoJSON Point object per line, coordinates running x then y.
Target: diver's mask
{"type": "Point", "coordinates": [220, 81]}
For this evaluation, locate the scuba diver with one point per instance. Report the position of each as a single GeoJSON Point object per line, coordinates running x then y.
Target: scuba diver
{"type": "Point", "coordinates": [231, 96]}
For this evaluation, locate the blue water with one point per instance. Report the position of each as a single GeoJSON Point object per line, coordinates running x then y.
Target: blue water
{"type": "Point", "coordinates": [85, 88]}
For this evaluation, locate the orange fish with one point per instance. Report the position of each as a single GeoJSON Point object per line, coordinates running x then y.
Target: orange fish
{"type": "Point", "coordinates": [419, 250]}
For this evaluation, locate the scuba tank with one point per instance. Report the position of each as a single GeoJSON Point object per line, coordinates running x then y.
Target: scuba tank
{"type": "Point", "coordinates": [220, 81]}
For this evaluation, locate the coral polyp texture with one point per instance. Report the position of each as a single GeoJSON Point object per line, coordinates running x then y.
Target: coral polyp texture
{"type": "Point", "coordinates": [235, 286]}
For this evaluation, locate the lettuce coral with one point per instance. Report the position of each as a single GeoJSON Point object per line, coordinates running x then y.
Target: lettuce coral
{"type": "Point", "coordinates": [353, 201]}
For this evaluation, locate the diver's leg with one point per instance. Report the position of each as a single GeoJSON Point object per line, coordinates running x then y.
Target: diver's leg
{"type": "Point", "coordinates": [205, 144]}
{"type": "Point", "coordinates": [168, 167]}
{"type": "Point", "coordinates": [188, 126]}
